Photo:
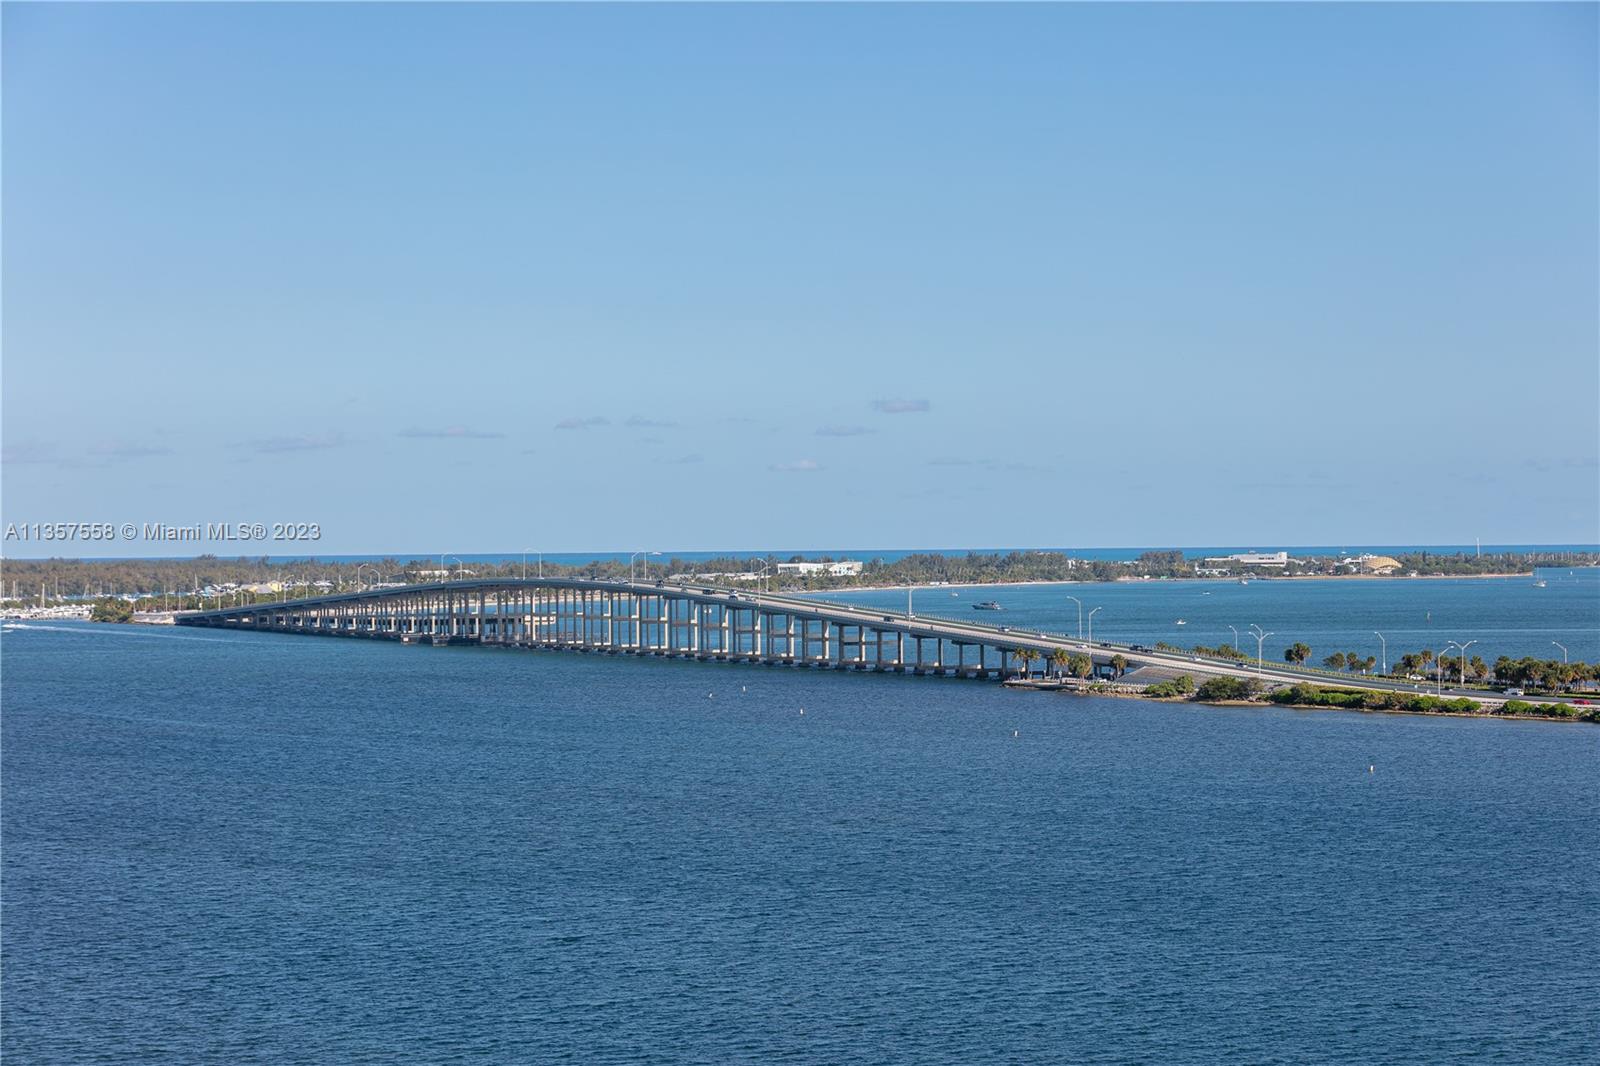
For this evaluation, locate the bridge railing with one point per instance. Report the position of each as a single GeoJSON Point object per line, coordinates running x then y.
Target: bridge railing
{"type": "Point", "coordinates": [1311, 672]}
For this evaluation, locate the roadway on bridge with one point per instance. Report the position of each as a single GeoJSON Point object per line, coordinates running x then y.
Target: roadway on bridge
{"type": "Point", "coordinates": [926, 626]}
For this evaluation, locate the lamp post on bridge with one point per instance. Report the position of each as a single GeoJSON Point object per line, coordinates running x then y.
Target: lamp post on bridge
{"type": "Point", "coordinates": [636, 555]}
{"type": "Point", "coordinates": [1462, 648]}
{"type": "Point", "coordinates": [446, 569]}
{"type": "Point", "coordinates": [363, 566]}
{"type": "Point", "coordinates": [761, 578]}
{"type": "Point", "coordinates": [1261, 638]}
{"type": "Point", "coordinates": [1079, 602]}
{"type": "Point", "coordinates": [525, 553]}
{"type": "Point", "coordinates": [1563, 648]}
{"type": "Point", "coordinates": [1383, 651]}
{"type": "Point", "coordinates": [1091, 626]}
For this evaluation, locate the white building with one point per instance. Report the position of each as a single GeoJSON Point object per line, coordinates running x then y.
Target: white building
{"type": "Point", "coordinates": [843, 568]}
{"type": "Point", "coordinates": [1251, 559]}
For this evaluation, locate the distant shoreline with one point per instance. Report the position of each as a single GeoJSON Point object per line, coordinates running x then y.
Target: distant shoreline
{"type": "Point", "coordinates": [1482, 715]}
{"type": "Point", "coordinates": [1164, 581]}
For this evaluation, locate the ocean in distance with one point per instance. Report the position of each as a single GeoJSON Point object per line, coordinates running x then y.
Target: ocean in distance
{"type": "Point", "coordinates": [889, 555]}
{"type": "Point", "coordinates": [243, 848]}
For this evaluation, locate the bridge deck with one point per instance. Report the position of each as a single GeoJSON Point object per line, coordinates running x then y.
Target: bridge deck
{"type": "Point", "coordinates": [705, 622]}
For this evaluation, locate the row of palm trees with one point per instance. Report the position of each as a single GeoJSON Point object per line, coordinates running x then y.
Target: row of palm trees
{"type": "Point", "coordinates": [1063, 663]}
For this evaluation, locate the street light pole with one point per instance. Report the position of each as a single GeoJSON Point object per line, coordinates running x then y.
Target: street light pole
{"type": "Point", "coordinates": [1235, 637]}
{"type": "Point", "coordinates": [1260, 640]}
{"type": "Point", "coordinates": [1091, 625]}
{"type": "Point", "coordinates": [1463, 649]}
{"type": "Point", "coordinates": [1563, 648]}
{"type": "Point", "coordinates": [766, 569]}
{"type": "Point", "coordinates": [1383, 667]}
{"type": "Point", "coordinates": [1079, 602]}
{"type": "Point", "coordinates": [636, 555]}
{"type": "Point", "coordinates": [527, 552]}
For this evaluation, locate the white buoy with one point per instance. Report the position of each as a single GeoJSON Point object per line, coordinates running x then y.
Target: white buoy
{"type": "Point", "coordinates": [1371, 769]}
{"type": "Point", "coordinates": [741, 688]}
{"type": "Point", "coordinates": [711, 695]}
{"type": "Point", "coordinates": [1016, 732]}
{"type": "Point", "coordinates": [802, 710]}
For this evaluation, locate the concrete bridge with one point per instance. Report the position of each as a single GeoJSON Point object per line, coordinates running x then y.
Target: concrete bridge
{"type": "Point", "coordinates": [676, 620]}
{"type": "Point", "coordinates": [642, 618]}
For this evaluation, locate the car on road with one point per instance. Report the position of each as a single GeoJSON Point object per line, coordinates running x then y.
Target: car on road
{"type": "Point", "coordinates": [1515, 692]}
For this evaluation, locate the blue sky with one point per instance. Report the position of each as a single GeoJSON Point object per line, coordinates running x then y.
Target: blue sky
{"type": "Point", "coordinates": [478, 278]}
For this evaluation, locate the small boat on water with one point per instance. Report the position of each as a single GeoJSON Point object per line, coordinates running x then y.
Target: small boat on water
{"type": "Point", "coordinates": [1541, 584]}
{"type": "Point", "coordinates": [1180, 622]}
{"type": "Point", "coordinates": [987, 605]}
{"type": "Point", "coordinates": [1244, 581]}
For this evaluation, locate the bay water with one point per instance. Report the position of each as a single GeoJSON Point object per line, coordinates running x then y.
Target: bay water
{"type": "Point", "coordinates": [236, 848]}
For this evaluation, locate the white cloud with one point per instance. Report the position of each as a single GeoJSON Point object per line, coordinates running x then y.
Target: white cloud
{"type": "Point", "coordinates": [901, 407]}
{"type": "Point", "coordinates": [451, 433]}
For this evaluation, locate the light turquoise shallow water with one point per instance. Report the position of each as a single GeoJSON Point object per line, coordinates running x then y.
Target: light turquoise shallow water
{"type": "Point", "coordinates": [1506, 616]}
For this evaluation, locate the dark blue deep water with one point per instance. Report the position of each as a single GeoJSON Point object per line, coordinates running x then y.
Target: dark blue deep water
{"type": "Point", "coordinates": [235, 848]}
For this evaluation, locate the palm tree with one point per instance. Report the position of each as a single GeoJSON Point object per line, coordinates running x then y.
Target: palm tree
{"type": "Point", "coordinates": [1119, 664]}
{"type": "Point", "coordinates": [1058, 659]}
{"type": "Point", "coordinates": [1027, 655]}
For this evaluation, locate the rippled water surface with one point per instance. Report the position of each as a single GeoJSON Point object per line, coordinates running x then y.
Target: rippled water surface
{"type": "Point", "coordinates": [1514, 616]}
{"type": "Point", "coordinates": [227, 847]}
